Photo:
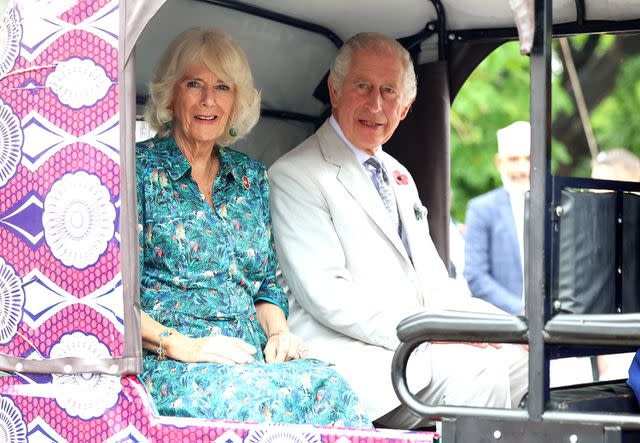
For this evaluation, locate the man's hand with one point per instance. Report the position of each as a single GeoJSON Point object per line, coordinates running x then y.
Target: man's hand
{"type": "Point", "coordinates": [212, 349]}
{"type": "Point", "coordinates": [284, 346]}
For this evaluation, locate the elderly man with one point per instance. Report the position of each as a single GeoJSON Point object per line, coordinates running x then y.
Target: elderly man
{"type": "Point", "coordinates": [494, 249]}
{"type": "Point", "coordinates": [354, 247]}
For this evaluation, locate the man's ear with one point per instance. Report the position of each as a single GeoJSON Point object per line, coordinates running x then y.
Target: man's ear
{"type": "Point", "coordinates": [333, 92]}
{"type": "Point", "coordinates": [405, 111]}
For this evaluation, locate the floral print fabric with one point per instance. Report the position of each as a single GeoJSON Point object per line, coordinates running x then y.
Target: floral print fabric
{"type": "Point", "coordinates": [201, 272]}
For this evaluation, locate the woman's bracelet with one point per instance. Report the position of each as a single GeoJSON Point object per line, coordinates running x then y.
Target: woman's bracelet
{"type": "Point", "coordinates": [161, 336]}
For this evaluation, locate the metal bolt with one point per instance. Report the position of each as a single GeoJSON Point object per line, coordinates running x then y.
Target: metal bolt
{"type": "Point", "coordinates": [67, 369]}
{"type": "Point", "coordinates": [557, 305]}
{"type": "Point", "coordinates": [559, 210]}
{"type": "Point", "coordinates": [619, 270]}
{"type": "Point", "coordinates": [431, 27]}
{"type": "Point", "coordinates": [619, 220]}
{"type": "Point", "coordinates": [573, 438]}
{"type": "Point", "coordinates": [497, 434]}
{"type": "Point", "coordinates": [459, 37]}
{"type": "Point", "coordinates": [18, 367]}
{"type": "Point", "coordinates": [452, 36]}
{"type": "Point", "coordinates": [113, 369]}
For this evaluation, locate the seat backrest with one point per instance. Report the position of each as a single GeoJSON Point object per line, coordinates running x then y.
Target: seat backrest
{"type": "Point", "coordinates": [587, 269]}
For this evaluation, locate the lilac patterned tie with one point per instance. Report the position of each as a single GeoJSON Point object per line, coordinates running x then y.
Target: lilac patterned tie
{"type": "Point", "coordinates": [385, 190]}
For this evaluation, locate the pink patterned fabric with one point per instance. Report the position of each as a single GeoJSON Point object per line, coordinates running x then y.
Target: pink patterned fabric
{"type": "Point", "coordinates": [132, 419]}
{"type": "Point", "coordinates": [60, 282]}
{"type": "Point", "coordinates": [60, 205]}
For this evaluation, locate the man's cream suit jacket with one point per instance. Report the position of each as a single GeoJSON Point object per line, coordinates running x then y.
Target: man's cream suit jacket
{"type": "Point", "coordinates": [349, 276]}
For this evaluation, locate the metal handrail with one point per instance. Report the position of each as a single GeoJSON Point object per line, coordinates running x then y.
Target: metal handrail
{"type": "Point", "coordinates": [600, 329]}
{"type": "Point", "coordinates": [626, 421]}
{"type": "Point", "coordinates": [603, 329]}
{"type": "Point", "coordinates": [458, 326]}
{"type": "Point", "coordinates": [399, 380]}
{"type": "Point", "coordinates": [463, 326]}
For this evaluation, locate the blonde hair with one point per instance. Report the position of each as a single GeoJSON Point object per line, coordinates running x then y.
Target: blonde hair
{"type": "Point", "coordinates": [225, 59]}
{"type": "Point", "coordinates": [379, 43]}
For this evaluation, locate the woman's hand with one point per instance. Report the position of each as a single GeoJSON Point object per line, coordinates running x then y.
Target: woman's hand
{"type": "Point", "coordinates": [284, 346]}
{"type": "Point", "coordinates": [213, 349]}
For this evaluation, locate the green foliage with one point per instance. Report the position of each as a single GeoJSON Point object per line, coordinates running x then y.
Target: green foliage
{"type": "Point", "coordinates": [497, 94]}
{"type": "Point", "coordinates": [616, 121]}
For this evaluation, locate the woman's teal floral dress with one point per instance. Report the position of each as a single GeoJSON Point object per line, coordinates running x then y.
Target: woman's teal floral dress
{"type": "Point", "coordinates": [201, 273]}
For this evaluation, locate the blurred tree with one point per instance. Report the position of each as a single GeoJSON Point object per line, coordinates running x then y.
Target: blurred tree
{"type": "Point", "coordinates": [497, 94]}
{"type": "Point", "coordinates": [609, 68]}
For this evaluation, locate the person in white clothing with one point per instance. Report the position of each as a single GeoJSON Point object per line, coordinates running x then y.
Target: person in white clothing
{"type": "Point", "coordinates": [352, 238]}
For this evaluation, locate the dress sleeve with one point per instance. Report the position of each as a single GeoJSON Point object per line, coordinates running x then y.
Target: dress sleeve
{"type": "Point", "coordinates": [270, 290]}
{"type": "Point", "coordinates": [141, 201]}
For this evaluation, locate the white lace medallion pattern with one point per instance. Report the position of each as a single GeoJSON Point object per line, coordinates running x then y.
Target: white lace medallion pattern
{"type": "Point", "coordinates": [10, 37]}
{"type": "Point", "coordinates": [11, 302]}
{"type": "Point", "coordinates": [11, 139]}
{"type": "Point", "coordinates": [84, 395]}
{"type": "Point", "coordinates": [12, 426]}
{"type": "Point", "coordinates": [78, 83]}
{"type": "Point", "coordinates": [78, 219]}
{"type": "Point", "coordinates": [280, 434]}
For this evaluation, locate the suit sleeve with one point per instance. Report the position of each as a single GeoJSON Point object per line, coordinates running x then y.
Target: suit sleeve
{"type": "Point", "coordinates": [314, 264]}
{"type": "Point", "coordinates": [477, 257]}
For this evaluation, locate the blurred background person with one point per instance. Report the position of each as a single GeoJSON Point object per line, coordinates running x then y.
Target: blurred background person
{"type": "Point", "coordinates": [495, 224]}
{"type": "Point", "coordinates": [616, 164]}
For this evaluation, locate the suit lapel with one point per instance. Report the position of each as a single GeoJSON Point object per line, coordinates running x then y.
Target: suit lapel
{"type": "Point", "coordinates": [416, 234]}
{"type": "Point", "coordinates": [356, 181]}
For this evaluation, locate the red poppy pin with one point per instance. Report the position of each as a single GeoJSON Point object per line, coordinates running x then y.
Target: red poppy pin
{"type": "Point", "coordinates": [245, 180]}
{"type": "Point", "coordinates": [401, 179]}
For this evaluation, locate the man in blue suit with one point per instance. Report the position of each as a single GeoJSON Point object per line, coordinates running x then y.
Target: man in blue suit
{"type": "Point", "coordinates": [495, 223]}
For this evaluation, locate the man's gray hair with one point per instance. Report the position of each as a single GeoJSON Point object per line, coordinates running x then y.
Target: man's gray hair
{"type": "Point", "coordinates": [380, 43]}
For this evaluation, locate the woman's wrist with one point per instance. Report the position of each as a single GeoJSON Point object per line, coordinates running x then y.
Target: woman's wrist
{"type": "Point", "coordinates": [277, 332]}
{"type": "Point", "coordinates": [163, 337]}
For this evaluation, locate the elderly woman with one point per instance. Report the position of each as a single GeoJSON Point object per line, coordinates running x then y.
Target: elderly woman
{"type": "Point", "coordinates": [214, 316]}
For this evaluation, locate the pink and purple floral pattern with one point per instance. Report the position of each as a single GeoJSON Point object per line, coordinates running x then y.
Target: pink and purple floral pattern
{"type": "Point", "coordinates": [59, 179]}
{"type": "Point", "coordinates": [56, 306]}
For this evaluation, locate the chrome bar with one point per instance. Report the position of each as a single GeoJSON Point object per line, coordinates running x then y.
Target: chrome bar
{"type": "Point", "coordinates": [399, 380]}
{"type": "Point", "coordinates": [463, 326]}
{"type": "Point", "coordinates": [600, 329]}
{"type": "Point", "coordinates": [625, 421]}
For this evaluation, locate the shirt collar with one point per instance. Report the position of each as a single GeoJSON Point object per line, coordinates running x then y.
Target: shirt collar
{"type": "Point", "coordinates": [359, 153]}
{"type": "Point", "coordinates": [230, 168]}
{"type": "Point", "coordinates": [177, 164]}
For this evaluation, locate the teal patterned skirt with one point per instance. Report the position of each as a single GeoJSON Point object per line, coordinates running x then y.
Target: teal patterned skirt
{"type": "Point", "coordinates": [298, 391]}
